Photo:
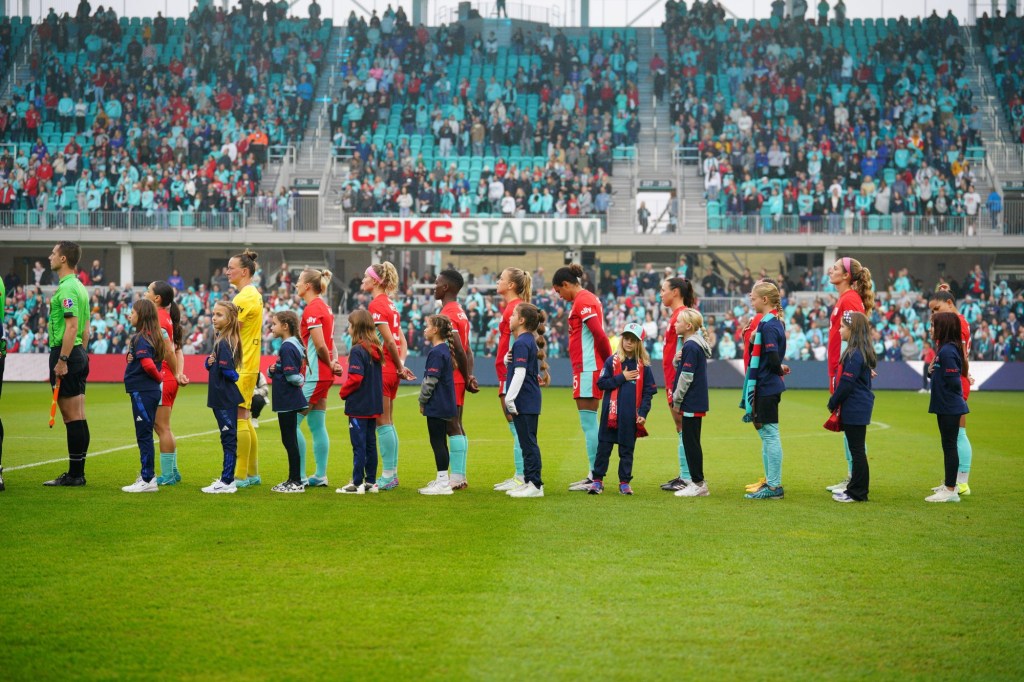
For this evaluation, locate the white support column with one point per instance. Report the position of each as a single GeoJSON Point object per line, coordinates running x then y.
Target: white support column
{"type": "Point", "coordinates": [127, 264]}
{"type": "Point", "coordinates": [828, 259]}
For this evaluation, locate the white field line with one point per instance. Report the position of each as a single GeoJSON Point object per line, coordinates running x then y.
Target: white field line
{"type": "Point", "coordinates": [135, 446]}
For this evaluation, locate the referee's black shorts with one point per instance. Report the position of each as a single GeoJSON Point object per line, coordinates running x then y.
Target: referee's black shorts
{"type": "Point", "coordinates": [766, 409]}
{"type": "Point", "coordinates": [72, 383]}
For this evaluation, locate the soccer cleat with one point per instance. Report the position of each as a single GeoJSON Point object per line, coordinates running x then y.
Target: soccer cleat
{"type": "Point", "coordinates": [624, 489]}
{"type": "Point", "coordinates": [141, 486]}
{"type": "Point", "coordinates": [461, 485]}
{"type": "Point", "coordinates": [169, 479]}
{"type": "Point", "coordinates": [528, 490]}
{"type": "Point", "coordinates": [317, 482]}
{"type": "Point", "coordinates": [842, 497]}
{"type": "Point", "coordinates": [370, 487]}
{"type": "Point", "coordinates": [674, 485]}
{"type": "Point", "coordinates": [838, 487]}
{"type": "Point", "coordinates": [944, 495]}
{"type": "Point", "coordinates": [387, 482]}
{"type": "Point", "coordinates": [436, 487]}
{"type": "Point", "coordinates": [766, 493]}
{"type": "Point", "coordinates": [241, 483]}
{"type": "Point", "coordinates": [351, 489]}
{"type": "Point", "coordinates": [694, 490]}
{"type": "Point", "coordinates": [509, 484]}
{"type": "Point", "coordinates": [289, 487]}
{"type": "Point", "coordinates": [581, 485]}
{"type": "Point", "coordinates": [757, 485]}
{"type": "Point", "coordinates": [963, 489]}
{"type": "Point", "coordinates": [596, 488]}
{"type": "Point", "coordinates": [254, 480]}
{"type": "Point", "coordinates": [66, 480]}
{"type": "Point", "coordinates": [219, 486]}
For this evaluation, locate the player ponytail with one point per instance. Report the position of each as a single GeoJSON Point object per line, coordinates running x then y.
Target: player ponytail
{"type": "Point", "coordinates": [520, 281]}
{"type": "Point", "coordinates": [570, 274]}
{"type": "Point", "coordinates": [165, 293]}
{"type": "Point", "coordinates": [318, 279]}
{"type": "Point", "coordinates": [685, 289]}
{"type": "Point", "coordinates": [860, 281]}
{"type": "Point", "coordinates": [386, 276]}
{"type": "Point", "coordinates": [247, 260]}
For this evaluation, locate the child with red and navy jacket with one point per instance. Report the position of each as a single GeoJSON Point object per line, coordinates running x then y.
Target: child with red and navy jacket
{"type": "Point", "coordinates": [363, 393]}
{"type": "Point", "coordinates": [143, 377]}
{"type": "Point", "coordinates": [628, 385]}
{"type": "Point", "coordinates": [288, 377]}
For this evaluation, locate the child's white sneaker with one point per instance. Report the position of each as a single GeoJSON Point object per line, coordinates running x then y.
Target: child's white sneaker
{"type": "Point", "coordinates": [508, 484]}
{"type": "Point", "coordinates": [219, 486]}
{"type": "Point", "coordinates": [944, 494]}
{"type": "Point", "coordinates": [694, 490]}
{"type": "Point", "coordinates": [436, 487]}
{"type": "Point", "coordinates": [140, 486]}
{"type": "Point", "coordinates": [528, 490]}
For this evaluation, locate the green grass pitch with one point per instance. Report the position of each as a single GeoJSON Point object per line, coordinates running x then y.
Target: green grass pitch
{"type": "Point", "coordinates": [178, 585]}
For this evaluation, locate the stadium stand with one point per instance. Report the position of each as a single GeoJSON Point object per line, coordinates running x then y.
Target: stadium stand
{"type": "Point", "coordinates": [153, 119]}
{"type": "Point", "coordinates": [862, 125]}
{"type": "Point", "coordinates": [448, 123]}
{"type": "Point", "coordinates": [1003, 40]}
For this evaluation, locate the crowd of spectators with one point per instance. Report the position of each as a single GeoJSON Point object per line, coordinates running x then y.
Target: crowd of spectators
{"type": "Point", "coordinates": [1002, 38]}
{"type": "Point", "coordinates": [156, 116]}
{"type": "Point", "coordinates": [788, 120]}
{"type": "Point", "coordinates": [544, 124]}
{"type": "Point", "coordinates": [900, 319]}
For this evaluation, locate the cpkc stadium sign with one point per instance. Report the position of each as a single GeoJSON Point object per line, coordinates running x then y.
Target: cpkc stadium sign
{"type": "Point", "coordinates": [475, 231]}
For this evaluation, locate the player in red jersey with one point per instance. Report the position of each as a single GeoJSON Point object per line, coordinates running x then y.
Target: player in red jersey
{"type": "Point", "coordinates": [588, 349]}
{"type": "Point", "coordinates": [514, 287]}
{"type": "Point", "coordinates": [676, 295]}
{"type": "Point", "coordinates": [162, 295]}
{"type": "Point", "coordinates": [381, 279]}
{"type": "Point", "coordinates": [943, 301]}
{"type": "Point", "coordinates": [853, 283]}
{"type": "Point", "coordinates": [446, 289]}
{"type": "Point", "coordinates": [316, 328]}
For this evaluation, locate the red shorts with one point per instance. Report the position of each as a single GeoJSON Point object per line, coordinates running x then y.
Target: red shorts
{"type": "Point", "coordinates": [460, 393]}
{"type": "Point", "coordinates": [584, 385]}
{"type": "Point", "coordinates": [315, 391]}
{"type": "Point", "coordinates": [170, 390]}
{"type": "Point", "coordinates": [965, 383]}
{"type": "Point", "coordinates": [391, 381]}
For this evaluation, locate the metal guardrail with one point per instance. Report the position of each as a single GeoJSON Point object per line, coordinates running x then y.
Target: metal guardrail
{"type": "Point", "coordinates": [1011, 223]}
{"type": "Point", "coordinates": [126, 222]}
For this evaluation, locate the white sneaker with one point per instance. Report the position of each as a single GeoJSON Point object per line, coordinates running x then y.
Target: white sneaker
{"type": "Point", "coordinates": [289, 487]}
{"type": "Point", "coordinates": [944, 495]}
{"type": "Point", "coordinates": [436, 487]}
{"type": "Point", "coordinates": [509, 484]}
{"type": "Point", "coordinates": [518, 487]}
{"type": "Point", "coordinates": [582, 485]}
{"type": "Point", "coordinates": [219, 486]}
{"type": "Point", "coordinates": [370, 487]}
{"type": "Point", "coordinates": [528, 490]}
{"type": "Point", "coordinates": [351, 489]}
{"type": "Point", "coordinates": [923, 390]}
{"type": "Point", "coordinates": [838, 487]}
{"type": "Point", "coordinates": [140, 486]}
{"type": "Point", "coordinates": [694, 490]}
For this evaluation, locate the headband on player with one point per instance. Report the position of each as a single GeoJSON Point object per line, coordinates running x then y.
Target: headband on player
{"type": "Point", "coordinates": [373, 273]}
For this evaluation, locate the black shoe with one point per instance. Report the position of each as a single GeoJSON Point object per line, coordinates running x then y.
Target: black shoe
{"type": "Point", "coordinates": [674, 484]}
{"type": "Point", "coordinates": [2, 480]}
{"type": "Point", "coordinates": [66, 480]}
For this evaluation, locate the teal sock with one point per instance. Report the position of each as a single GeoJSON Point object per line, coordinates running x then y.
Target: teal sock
{"type": "Point", "coordinates": [517, 451]}
{"type": "Point", "coordinates": [301, 438]}
{"type": "Point", "coordinates": [684, 468]}
{"type": "Point", "coordinates": [849, 457]}
{"type": "Point", "coordinates": [458, 448]}
{"type": "Point", "coordinates": [387, 444]}
{"type": "Point", "coordinates": [321, 441]}
{"type": "Point", "coordinates": [588, 420]}
{"type": "Point", "coordinates": [771, 449]}
{"type": "Point", "coordinates": [174, 462]}
{"type": "Point", "coordinates": [964, 451]}
{"type": "Point", "coordinates": [167, 464]}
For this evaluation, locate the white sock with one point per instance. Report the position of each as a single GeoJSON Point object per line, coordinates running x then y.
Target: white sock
{"type": "Point", "coordinates": [442, 477]}
{"type": "Point", "coordinates": [388, 473]}
{"type": "Point", "coordinates": [962, 476]}
{"type": "Point", "coordinates": [590, 475]}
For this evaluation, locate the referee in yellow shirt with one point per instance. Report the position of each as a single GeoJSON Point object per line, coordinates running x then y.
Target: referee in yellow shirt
{"type": "Point", "coordinates": [69, 358]}
{"type": "Point", "coordinates": [240, 271]}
